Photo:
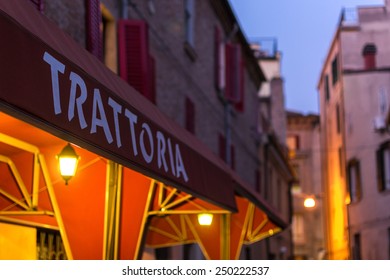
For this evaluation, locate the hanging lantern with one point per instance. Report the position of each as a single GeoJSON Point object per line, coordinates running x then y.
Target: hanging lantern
{"type": "Point", "coordinates": [67, 161]}
{"type": "Point", "coordinates": [205, 219]}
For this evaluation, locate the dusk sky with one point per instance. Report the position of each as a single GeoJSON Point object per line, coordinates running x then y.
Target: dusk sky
{"type": "Point", "coordinates": [304, 30]}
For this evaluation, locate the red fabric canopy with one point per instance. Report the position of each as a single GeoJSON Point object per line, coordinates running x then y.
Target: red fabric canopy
{"type": "Point", "coordinates": [47, 79]}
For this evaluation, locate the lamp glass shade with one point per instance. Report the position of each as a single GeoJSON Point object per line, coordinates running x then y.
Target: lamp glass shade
{"type": "Point", "coordinates": [67, 161]}
{"type": "Point", "coordinates": [68, 166]}
{"type": "Point", "coordinates": [205, 219]}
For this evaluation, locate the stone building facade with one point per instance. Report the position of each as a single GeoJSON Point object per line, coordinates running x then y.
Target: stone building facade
{"type": "Point", "coordinates": [354, 93]}
{"type": "Point", "coordinates": [196, 66]}
{"type": "Point", "coordinates": [303, 141]}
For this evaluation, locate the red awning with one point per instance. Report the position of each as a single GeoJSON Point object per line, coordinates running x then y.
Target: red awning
{"type": "Point", "coordinates": [47, 79]}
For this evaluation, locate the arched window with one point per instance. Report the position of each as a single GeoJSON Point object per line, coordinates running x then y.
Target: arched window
{"type": "Point", "coordinates": [369, 54]}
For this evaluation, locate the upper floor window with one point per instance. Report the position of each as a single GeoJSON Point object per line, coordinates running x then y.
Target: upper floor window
{"type": "Point", "coordinates": [136, 65]}
{"type": "Point", "coordinates": [219, 59]}
{"type": "Point", "coordinates": [383, 166]}
{"type": "Point", "coordinates": [335, 70]}
{"type": "Point", "coordinates": [189, 21]}
{"type": "Point", "coordinates": [293, 142]}
{"type": "Point", "coordinates": [190, 115]}
{"type": "Point", "coordinates": [369, 55]}
{"type": "Point", "coordinates": [94, 32]}
{"type": "Point", "coordinates": [354, 180]}
{"type": "Point", "coordinates": [326, 87]}
{"type": "Point", "coordinates": [338, 120]}
{"type": "Point", "coordinates": [234, 76]}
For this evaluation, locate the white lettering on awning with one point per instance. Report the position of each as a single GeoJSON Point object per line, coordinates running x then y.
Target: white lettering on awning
{"type": "Point", "coordinates": [106, 116]}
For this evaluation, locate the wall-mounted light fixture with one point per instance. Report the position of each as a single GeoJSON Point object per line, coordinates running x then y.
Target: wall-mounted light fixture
{"type": "Point", "coordinates": [205, 219]}
{"type": "Point", "coordinates": [309, 202]}
{"type": "Point", "coordinates": [67, 161]}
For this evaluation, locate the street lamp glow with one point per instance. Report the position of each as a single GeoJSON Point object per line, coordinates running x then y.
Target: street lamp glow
{"type": "Point", "coordinates": [309, 202]}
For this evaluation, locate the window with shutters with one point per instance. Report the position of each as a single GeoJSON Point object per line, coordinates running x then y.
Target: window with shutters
{"type": "Point", "coordinates": [219, 59]}
{"type": "Point", "coordinates": [234, 76]}
{"type": "Point", "coordinates": [136, 65]}
{"type": "Point", "coordinates": [109, 42]}
{"type": "Point", "coordinates": [383, 167]}
{"type": "Point", "coordinates": [94, 32]}
{"type": "Point", "coordinates": [39, 4]}
{"type": "Point", "coordinates": [354, 180]}
{"type": "Point", "coordinates": [190, 115]}
{"type": "Point", "coordinates": [369, 55]}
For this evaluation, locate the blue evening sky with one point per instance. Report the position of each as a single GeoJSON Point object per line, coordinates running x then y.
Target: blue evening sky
{"type": "Point", "coordinates": [304, 30]}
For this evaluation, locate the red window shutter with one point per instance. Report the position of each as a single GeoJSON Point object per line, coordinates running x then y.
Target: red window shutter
{"type": "Point", "coordinates": [218, 59]}
{"type": "Point", "coordinates": [240, 104]}
{"type": "Point", "coordinates": [134, 59]}
{"type": "Point", "coordinates": [222, 147]}
{"type": "Point", "coordinates": [369, 54]}
{"type": "Point", "coordinates": [370, 61]}
{"type": "Point", "coordinates": [94, 40]}
{"type": "Point", "coordinates": [152, 80]}
{"type": "Point", "coordinates": [190, 115]}
{"type": "Point", "coordinates": [233, 157]}
{"type": "Point", "coordinates": [232, 72]}
{"type": "Point", "coordinates": [297, 142]}
{"type": "Point", "coordinates": [39, 4]}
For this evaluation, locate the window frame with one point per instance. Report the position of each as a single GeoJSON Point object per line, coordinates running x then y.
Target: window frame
{"type": "Point", "coordinates": [357, 246]}
{"type": "Point", "coordinates": [354, 180]}
{"type": "Point", "coordinates": [93, 24]}
{"type": "Point", "coordinates": [189, 22]}
{"type": "Point", "coordinates": [383, 174]}
{"type": "Point", "coordinates": [369, 55]}
{"type": "Point", "coordinates": [335, 70]}
{"type": "Point", "coordinates": [338, 119]}
{"type": "Point", "coordinates": [326, 88]}
{"type": "Point", "coordinates": [190, 114]}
